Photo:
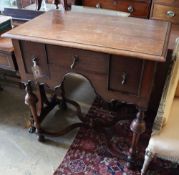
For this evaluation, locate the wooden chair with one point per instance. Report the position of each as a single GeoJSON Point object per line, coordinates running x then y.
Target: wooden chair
{"type": "Point", "coordinates": [164, 141]}
{"type": "Point", "coordinates": [56, 2]}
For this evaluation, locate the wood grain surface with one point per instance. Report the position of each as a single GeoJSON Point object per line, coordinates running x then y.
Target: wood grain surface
{"type": "Point", "coordinates": [145, 39]}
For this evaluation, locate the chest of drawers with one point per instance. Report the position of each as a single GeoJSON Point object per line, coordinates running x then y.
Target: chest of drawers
{"type": "Point", "coordinates": [165, 10]}
{"type": "Point", "coordinates": [137, 8]}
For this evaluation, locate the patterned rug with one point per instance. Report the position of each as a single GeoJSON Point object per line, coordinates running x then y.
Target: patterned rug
{"type": "Point", "coordinates": [104, 151]}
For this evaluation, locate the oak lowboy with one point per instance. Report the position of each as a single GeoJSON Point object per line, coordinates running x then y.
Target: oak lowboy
{"type": "Point", "coordinates": [117, 55]}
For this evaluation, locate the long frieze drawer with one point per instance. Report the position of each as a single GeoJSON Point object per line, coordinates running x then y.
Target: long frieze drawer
{"type": "Point", "coordinates": [139, 9]}
{"type": "Point", "coordinates": [77, 59]}
{"type": "Point", "coordinates": [125, 75]}
{"type": "Point", "coordinates": [34, 52]}
{"type": "Point", "coordinates": [168, 13]}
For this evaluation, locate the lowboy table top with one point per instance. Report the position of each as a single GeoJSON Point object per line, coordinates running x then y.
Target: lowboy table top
{"type": "Point", "coordinates": [146, 39]}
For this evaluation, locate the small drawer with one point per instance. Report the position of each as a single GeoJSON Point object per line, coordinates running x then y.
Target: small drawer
{"type": "Point", "coordinates": [77, 59]}
{"type": "Point", "coordinates": [138, 9]}
{"type": "Point", "coordinates": [105, 4]}
{"type": "Point", "coordinates": [168, 13]}
{"type": "Point", "coordinates": [31, 50]}
{"type": "Point", "coordinates": [125, 75]}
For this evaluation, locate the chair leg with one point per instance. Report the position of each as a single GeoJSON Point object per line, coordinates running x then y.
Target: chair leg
{"type": "Point", "coordinates": [148, 158]}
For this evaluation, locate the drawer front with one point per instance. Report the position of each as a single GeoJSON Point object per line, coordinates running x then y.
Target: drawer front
{"type": "Point", "coordinates": [125, 75]}
{"type": "Point", "coordinates": [78, 60]}
{"type": "Point", "coordinates": [30, 51]}
{"type": "Point", "coordinates": [106, 4]}
{"type": "Point", "coordinates": [168, 13]}
{"type": "Point", "coordinates": [140, 9]}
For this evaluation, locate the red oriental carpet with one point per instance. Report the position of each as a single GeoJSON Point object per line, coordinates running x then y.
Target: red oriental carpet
{"type": "Point", "coordinates": [104, 152]}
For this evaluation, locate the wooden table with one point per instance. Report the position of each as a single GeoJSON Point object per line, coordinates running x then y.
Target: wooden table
{"type": "Point", "coordinates": [117, 55]}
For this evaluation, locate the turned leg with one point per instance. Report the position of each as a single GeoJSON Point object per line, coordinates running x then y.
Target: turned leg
{"type": "Point", "coordinates": [38, 4]}
{"type": "Point", "coordinates": [137, 127]}
{"type": "Point", "coordinates": [64, 104]}
{"type": "Point", "coordinates": [65, 4]}
{"type": "Point", "coordinates": [42, 99]}
{"type": "Point", "coordinates": [31, 100]}
{"type": "Point", "coordinates": [148, 158]}
{"type": "Point", "coordinates": [57, 2]}
{"type": "Point", "coordinates": [43, 96]}
{"type": "Point", "coordinates": [32, 127]}
{"type": "Point", "coordinates": [60, 90]}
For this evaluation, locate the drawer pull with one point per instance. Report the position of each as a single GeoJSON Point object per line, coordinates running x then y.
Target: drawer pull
{"type": "Point", "coordinates": [124, 78]}
{"type": "Point", "coordinates": [170, 13]}
{"type": "Point", "coordinates": [75, 61]}
{"type": "Point", "coordinates": [114, 2]}
{"type": "Point", "coordinates": [98, 5]}
{"type": "Point", "coordinates": [130, 9]}
{"type": "Point", "coordinates": [36, 69]}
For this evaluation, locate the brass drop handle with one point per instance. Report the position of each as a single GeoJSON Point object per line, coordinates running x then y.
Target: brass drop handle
{"type": "Point", "coordinates": [124, 78]}
{"type": "Point", "coordinates": [130, 9]}
{"type": "Point", "coordinates": [170, 13]}
{"type": "Point", "coordinates": [114, 2]}
{"type": "Point", "coordinates": [36, 69]}
{"type": "Point", "coordinates": [75, 61]}
{"type": "Point", "coordinates": [34, 61]}
{"type": "Point", "coordinates": [98, 5]}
